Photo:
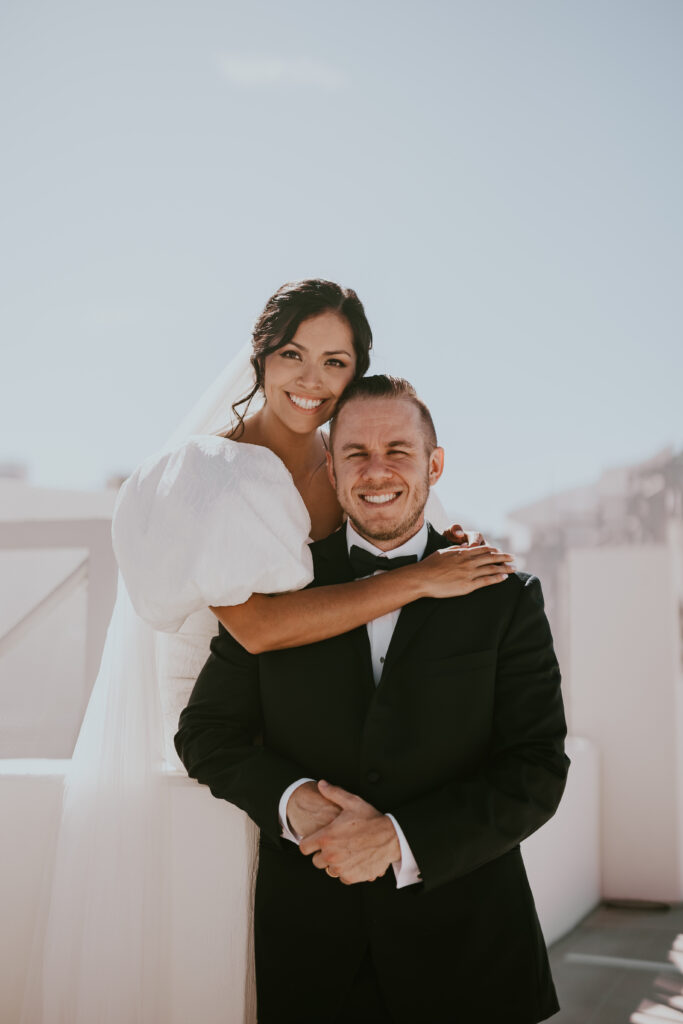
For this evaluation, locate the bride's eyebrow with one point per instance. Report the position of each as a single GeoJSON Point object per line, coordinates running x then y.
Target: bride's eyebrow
{"type": "Point", "coordinates": [336, 352]}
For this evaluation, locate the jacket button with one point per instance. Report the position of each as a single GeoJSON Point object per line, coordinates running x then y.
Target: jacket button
{"type": "Point", "coordinates": [373, 776]}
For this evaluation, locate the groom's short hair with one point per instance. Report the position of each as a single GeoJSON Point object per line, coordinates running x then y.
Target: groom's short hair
{"type": "Point", "coordinates": [382, 385]}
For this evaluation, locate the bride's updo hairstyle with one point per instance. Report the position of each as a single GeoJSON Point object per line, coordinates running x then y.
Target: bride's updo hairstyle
{"type": "Point", "coordinates": [286, 310]}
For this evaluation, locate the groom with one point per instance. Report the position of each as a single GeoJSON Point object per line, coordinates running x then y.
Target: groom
{"type": "Point", "coordinates": [414, 755]}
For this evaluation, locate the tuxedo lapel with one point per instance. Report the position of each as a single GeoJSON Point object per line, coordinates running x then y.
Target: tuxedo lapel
{"type": "Point", "coordinates": [332, 566]}
{"type": "Point", "coordinates": [332, 563]}
{"type": "Point", "coordinates": [413, 615]}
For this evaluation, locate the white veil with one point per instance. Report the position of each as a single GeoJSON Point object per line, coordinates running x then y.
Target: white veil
{"type": "Point", "coordinates": [100, 951]}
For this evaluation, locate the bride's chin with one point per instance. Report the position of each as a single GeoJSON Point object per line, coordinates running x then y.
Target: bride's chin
{"type": "Point", "coordinates": [300, 426]}
{"type": "Point", "coordinates": [305, 424]}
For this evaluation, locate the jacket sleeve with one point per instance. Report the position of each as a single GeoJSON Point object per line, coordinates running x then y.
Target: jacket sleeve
{"type": "Point", "coordinates": [467, 823]}
{"type": "Point", "coordinates": [219, 733]}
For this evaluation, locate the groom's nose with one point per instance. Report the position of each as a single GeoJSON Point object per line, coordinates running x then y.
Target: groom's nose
{"type": "Point", "coordinates": [376, 467]}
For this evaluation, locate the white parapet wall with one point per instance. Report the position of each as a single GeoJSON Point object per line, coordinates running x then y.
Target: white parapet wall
{"type": "Point", "coordinates": [625, 695]}
{"type": "Point", "coordinates": [562, 861]}
{"type": "Point", "coordinates": [30, 810]}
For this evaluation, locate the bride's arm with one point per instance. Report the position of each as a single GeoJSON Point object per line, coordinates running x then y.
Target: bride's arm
{"type": "Point", "coordinates": [270, 623]}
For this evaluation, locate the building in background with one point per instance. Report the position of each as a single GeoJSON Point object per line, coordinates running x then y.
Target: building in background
{"type": "Point", "coordinates": [630, 505]}
{"type": "Point", "coordinates": [13, 470]}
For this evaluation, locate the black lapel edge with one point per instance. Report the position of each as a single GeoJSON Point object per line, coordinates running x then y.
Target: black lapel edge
{"type": "Point", "coordinates": [331, 565]}
{"type": "Point", "coordinates": [331, 559]}
{"type": "Point", "coordinates": [413, 615]}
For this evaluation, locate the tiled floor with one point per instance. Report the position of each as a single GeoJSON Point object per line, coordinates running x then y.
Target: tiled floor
{"type": "Point", "coordinates": [647, 988]}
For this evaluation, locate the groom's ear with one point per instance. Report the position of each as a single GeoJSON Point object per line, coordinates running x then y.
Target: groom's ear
{"type": "Point", "coordinates": [330, 470]}
{"type": "Point", "coordinates": [435, 465]}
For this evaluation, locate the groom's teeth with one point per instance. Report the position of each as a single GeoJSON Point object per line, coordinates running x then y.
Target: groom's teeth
{"type": "Point", "coordinates": [379, 499]}
{"type": "Point", "coordinates": [306, 403]}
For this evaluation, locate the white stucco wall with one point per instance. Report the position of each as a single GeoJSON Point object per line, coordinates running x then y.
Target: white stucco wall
{"type": "Point", "coordinates": [626, 697]}
{"type": "Point", "coordinates": [30, 809]}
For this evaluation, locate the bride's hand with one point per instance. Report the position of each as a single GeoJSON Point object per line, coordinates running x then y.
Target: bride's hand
{"type": "Point", "coordinates": [452, 572]}
{"type": "Point", "coordinates": [464, 538]}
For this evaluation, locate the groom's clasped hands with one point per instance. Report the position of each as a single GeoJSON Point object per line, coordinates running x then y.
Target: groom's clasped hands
{"type": "Point", "coordinates": [348, 837]}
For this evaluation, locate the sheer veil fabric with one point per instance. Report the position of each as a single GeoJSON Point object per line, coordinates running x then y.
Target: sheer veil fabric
{"type": "Point", "coordinates": [102, 952]}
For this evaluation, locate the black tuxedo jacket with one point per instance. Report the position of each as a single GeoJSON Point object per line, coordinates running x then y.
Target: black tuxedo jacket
{"type": "Point", "coordinates": [462, 740]}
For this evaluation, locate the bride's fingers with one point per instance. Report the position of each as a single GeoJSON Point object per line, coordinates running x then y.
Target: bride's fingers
{"type": "Point", "coordinates": [478, 552]}
{"type": "Point", "coordinates": [480, 556]}
{"type": "Point", "coordinates": [467, 570]}
{"type": "Point", "coordinates": [494, 569]}
{"type": "Point", "coordinates": [499, 558]}
{"type": "Point", "coordinates": [487, 581]}
{"type": "Point", "coordinates": [460, 552]}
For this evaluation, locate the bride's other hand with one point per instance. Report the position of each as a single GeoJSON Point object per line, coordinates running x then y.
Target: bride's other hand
{"type": "Point", "coordinates": [452, 572]}
{"type": "Point", "coordinates": [464, 538]}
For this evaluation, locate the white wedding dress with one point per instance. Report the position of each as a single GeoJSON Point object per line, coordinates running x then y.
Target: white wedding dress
{"type": "Point", "coordinates": [206, 522]}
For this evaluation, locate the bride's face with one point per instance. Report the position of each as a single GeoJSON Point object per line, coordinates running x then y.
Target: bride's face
{"type": "Point", "coordinates": [304, 379]}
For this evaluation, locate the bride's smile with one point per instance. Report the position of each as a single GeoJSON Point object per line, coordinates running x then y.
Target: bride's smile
{"type": "Point", "coordinates": [306, 404]}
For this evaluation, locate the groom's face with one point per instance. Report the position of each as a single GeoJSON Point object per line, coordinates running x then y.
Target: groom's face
{"type": "Point", "coordinates": [382, 467]}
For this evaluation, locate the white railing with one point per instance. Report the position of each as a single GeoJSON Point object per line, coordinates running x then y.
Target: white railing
{"type": "Point", "coordinates": [96, 572]}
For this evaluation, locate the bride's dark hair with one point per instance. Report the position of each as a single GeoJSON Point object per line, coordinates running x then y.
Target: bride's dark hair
{"type": "Point", "coordinates": [285, 311]}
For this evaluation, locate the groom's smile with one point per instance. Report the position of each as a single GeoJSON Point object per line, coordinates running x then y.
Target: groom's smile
{"type": "Point", "coordinates": [380, 499]}
{"type": "Point", "coordinates": [382, 467]}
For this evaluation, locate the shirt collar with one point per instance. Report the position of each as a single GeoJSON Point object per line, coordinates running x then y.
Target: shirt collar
{"type": "Point", "coordinates": [416, 545]}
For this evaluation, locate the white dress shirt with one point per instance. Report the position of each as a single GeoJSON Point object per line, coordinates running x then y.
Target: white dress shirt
{"type": "Point", "coordinates": [380, 632]}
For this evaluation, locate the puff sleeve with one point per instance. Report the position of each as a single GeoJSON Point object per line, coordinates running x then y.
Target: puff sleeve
{"type": "Point", "coordinates": [209, 523]}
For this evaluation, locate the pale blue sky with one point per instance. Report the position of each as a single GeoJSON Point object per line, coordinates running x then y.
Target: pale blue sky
{"type": "Point", "coordinates": [499, 181]}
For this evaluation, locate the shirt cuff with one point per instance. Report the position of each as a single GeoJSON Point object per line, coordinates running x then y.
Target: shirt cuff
{"type": "Point", "coordinates": [406, 870]}
{"type": "Point", "coordinates": [287, 832]}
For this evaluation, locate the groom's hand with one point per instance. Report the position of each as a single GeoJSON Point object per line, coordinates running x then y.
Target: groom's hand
{"type": "Point", "coordinates": [359, 845]}
{"type": "Point", "coordinates": [308, 810]}
{"type": "Point", "coordinates": [463, 538]}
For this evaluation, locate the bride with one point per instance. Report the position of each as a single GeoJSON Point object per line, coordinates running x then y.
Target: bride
{"type": "Point", "coordinates": [220, 520]}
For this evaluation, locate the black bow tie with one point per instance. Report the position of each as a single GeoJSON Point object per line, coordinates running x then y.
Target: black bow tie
{"type": "Point", "coordinates": [364, 563]}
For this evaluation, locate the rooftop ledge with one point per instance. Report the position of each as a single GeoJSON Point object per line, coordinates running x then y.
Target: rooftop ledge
{"type": "Point", "coordinates": [54, 766]}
